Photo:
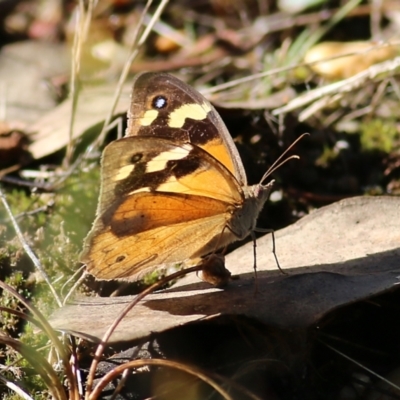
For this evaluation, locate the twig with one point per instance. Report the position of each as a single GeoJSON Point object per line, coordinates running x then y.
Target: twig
{"type": "Point", "coordinates": [341, 87]}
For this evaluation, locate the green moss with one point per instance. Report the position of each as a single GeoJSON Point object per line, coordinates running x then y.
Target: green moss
{"type": "Point", "coordinates": [327, 156]}
{"type": "Point", "coordinates": [54, 224]}
{"type": "Point", "coordinates": [379, 134]}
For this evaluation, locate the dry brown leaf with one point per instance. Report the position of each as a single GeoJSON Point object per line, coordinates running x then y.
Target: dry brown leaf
{"type": "Point", "coordinates": [24, 69]}
{"type": "Point", "coordinates": [51, 132]}
{"type": "Point", "coordinates": [337, 255]}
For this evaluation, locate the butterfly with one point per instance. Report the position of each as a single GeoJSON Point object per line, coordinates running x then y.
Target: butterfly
{"type": "Point", "coordinates": [173, 189]}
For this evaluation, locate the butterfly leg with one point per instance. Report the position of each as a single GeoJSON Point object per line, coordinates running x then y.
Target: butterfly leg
{"type": "Point", "coordinates": [272, 232]}
{"type": "Point", "coordinates": [253, 237]}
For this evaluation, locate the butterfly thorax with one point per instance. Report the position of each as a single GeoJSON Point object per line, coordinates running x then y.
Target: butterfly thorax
{"type": "Point", "coordinates": [244, 218]}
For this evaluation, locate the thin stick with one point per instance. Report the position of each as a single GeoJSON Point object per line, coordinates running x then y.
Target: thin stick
{"type": "Point", "coordinates": [75, 285]}
{"type": "Point", "coordinates": [362, 366]}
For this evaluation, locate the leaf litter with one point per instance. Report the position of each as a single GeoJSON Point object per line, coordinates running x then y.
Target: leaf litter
{"type": "Point", "coordinates": [342, 260]}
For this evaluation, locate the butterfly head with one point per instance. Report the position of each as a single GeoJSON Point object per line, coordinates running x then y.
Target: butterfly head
{"type": "Point", "coordinates": [244, 219]}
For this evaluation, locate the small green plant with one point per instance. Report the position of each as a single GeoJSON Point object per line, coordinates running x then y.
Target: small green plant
{"type": "Point", "coordinates": [379, 134]}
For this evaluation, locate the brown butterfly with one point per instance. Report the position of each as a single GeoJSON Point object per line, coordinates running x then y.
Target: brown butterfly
{"type": "Point", "coordinates": [173, 189]}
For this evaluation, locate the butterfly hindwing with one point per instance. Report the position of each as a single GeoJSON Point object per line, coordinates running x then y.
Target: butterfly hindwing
{"type": "Point", "coordinates": [131, 257]}
{"type": "Point", "coordinates": [153, 195]}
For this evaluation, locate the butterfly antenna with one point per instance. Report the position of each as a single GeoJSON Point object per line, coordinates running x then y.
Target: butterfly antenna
{"type": "Point", "coordinates": [278, 163]}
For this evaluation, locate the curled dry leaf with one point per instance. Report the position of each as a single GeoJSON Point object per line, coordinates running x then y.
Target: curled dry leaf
{"type": "Point", "coordinates": [357, 56]}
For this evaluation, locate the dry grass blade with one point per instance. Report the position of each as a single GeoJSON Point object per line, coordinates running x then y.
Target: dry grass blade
{"type": "Point", "coordinates": [15, 388]}
{"type": "Point", "coordinates": [83, 23]}
{"type": "Point", "coordinates": [43, 323]}
{"type": "Point", "coordinates": [40, 364]}
{"type": "Point", "coordinates": [159, 363]}
{"type": "Point", "coordinates": [377, 71]}
{"type": "Point", "coordinates": [139, 297]}
{"type": "Point", "coordinates": [362, 366]}
{"type": "Point", "coordinates": [28, 250]}
{"type": "Point", "coordinates": [22, 315]}
{"type": "Point", "coordinates": [135, 47]}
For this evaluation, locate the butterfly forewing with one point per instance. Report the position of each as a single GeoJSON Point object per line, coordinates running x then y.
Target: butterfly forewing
{"type": "Point", "coordinates": [136, 164]}
{"type": "Point", "coordinates": [164, 106]}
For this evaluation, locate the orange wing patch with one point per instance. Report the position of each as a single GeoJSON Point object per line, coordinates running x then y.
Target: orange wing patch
{"type": "Point", "coordinates": [131, 257]}
{"type": "Point", "coordinates": [146, 211]}
{"type": "Point", "coordinates": [219, 151]}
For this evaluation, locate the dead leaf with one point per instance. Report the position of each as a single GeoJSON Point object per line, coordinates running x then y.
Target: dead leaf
{"type": "Point", "coordinates": [24, 68]}
{"type": "Point", "coordinates": [337, 255]}
{"type": "Point", "coordinates": [51, 132]}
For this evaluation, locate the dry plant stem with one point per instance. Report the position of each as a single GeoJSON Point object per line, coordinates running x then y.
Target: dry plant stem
{"type": "Point", "coordinates": [378, 95]}
{"type": "Point", "coordinates": [236, 386]}
{"type": "Point", "coordinates": [75, 285]}
{"type": "Point", "coordinates": [376, 19]}
{"type": "Point", "coordinates": [163, 29]}
{"type": "Point", "coordinates": [22, 315]}
{"type": "Point", "coordinates": [74, 361]}
{"type": "Point", "coordinates": [341, 13]}
{"type": "Point", "coordinates": [235, 82]}
{"type": "Point", "coordinates": [9, 170]}
{"type": "Point", "coordinates": [15, 388]}
{"type": "Point", "coordinates": [135, 47]}
{"type": "Point", "coordinates": [83, 24]}
{"type": "Point", "coordinates": [159, 363]}
{"type": "Point", "coordinates": [122, 78]}
{"type": "Point", "coordinates": [101, 346]}
{"type": "Point", "coordinates": [121, 384]}
{"type": "Point", "coordinates": [28, 250]}
{"type": "Point", "coordinates": [376, 71]}
{"type": "Point", "coordinates": [395, 86]}
{"type": "Point", "coordinates": [362, 366]}
{"type": "Point", "coordinates": [40, 364]}
{"type": "Point", "coordinates": [45, 326]}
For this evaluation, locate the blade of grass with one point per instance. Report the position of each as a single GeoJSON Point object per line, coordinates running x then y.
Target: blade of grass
{"type": "Point", "coordinates": [362, 366]}
{"type": "Point", "coordinates": [15, 388]}
{"type": "Point", "coordinates": [82, 28]}
{"type": "Point", "coordinates": [52, 335]}
{"type": "Point", "coordinates": [110, 330]}
{"type": "Point", "coordinates": [39, 364]}
{"type": "Point", "coordinates": [134, 51]}
{"type": "Point", "coordinates": [160, 363]}
{"type": "Point", "coordinates": [28, 250]}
